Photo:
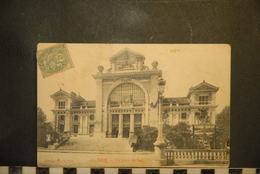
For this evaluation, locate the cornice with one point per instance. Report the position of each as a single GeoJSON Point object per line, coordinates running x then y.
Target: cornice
{"type": "Point", "coordinates": [127, 74]}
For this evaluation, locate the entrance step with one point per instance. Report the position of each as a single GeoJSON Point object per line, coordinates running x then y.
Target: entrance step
{"type": "Point", "coordinates": [86, 143]}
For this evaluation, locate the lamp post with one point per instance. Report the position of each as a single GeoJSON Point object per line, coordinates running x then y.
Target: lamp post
{"type": "Point", "coordinates": [160, 144]}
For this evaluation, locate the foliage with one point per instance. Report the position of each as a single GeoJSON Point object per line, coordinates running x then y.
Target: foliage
{"type": "Point", "coordinates": [223, 128]}
{"type": "Point", "coordinates": [204, 141]}
{"type": "Point", "coordinates": [146, 138]}
{"type": "Point", "coordinates": [43, 128]}
{"type": "Point", "coordinates": [203, 117]}
{"type": "Point", "coordinates": [179, 136]}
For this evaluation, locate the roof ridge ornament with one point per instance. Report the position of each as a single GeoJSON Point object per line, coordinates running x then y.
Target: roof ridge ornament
{"type": "Point", "coordinates": [127, 52]}
{"type": "Point", "coordinates": [100, 68]}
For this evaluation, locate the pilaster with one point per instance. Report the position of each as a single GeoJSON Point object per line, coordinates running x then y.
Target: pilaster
{"type": "Point", "coordinates": [80, 124]}
{"type": "Point", "coordinates": [213, 116]}
{"type": "Point", "coordinates": [132, 126]}
{"type": "Point", "coordinates": [67, 122]}
{"type": "Point", "coordinates": [98, 117]}
{"type": "Point", "coordinates": [192, 117]}
{"type": "Point", "coordinates": [56, 123]}
{"type": "Point", "coordinates": [109, 125]}
{"type": "Point", "coordinates": [154, 101]}
{"type": "Point", "coordinates": [85, 125]}
{"type": "Point", "coordinates": [120, 129]}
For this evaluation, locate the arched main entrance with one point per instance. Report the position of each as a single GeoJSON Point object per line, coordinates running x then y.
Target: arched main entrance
{"type": "Point", "coordinates": [126, 106]}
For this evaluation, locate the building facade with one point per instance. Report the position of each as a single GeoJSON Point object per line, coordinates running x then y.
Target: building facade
{"type": "Point", "coordinates": [127, 99]}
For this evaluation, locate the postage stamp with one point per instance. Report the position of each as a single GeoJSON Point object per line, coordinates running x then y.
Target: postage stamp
{"type": "Point", "coordinates": [54, 59]}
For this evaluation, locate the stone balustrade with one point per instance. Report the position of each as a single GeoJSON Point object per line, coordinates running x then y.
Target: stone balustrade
{"type": "Point", "coordinates": [196, 156]}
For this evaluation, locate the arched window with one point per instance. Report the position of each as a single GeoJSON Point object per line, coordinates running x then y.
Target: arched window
{"type": "Point", "coordinates": [126, 95]}
{"type": "Point", "coordinates": [61, 117]}
{"type": "Point", "coordinates": [76, 117]}
{"type": "Point", "coordinates": [91, 117]}
{"type": "Point", "coordinates": [184, 116]}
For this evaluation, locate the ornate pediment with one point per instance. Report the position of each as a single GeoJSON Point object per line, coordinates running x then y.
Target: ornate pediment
{"type": "Point", "coordinates": [203, 86]}
{"type": "Point", "coordinates": [60, 93]}
{"type": "Point", "coordinates": [127, 60]}
{"type": "Point", "coordinates": [126, 56]}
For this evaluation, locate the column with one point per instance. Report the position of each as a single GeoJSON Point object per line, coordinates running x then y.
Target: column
{"type": "Point", "coordinates": [143, 118]}
{"type": "Point", "coordinates": [56, 122]}
{"type": "Point", "coordinates": [192, 117]}
{"type": "Point", "coordinates": [67, 123]}
{"type": "Point", "coordinates": [70, 122]}
{"type": "Point", "coordinates": [120, 128]}
{"type": "Point", "coordinates": [98, 116]}
{"type": "Point", "coordinates": [84, 125]}
{"type": "Point", "coordinates": [80, 124]}
{"type": "Point", "coordinates": [104, 124]}
{"type": "Point", "coordinates": [152, 116]}
{"type": "Point", "coordinates": [132, 125]}
{"type": "Point", "coordinates": [109, 125]}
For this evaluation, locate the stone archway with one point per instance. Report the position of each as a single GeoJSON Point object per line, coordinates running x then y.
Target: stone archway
{"type": "Point", "coordinates": [124, 107]}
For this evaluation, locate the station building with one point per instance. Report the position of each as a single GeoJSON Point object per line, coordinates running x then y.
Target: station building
{"type": "Point", "coordinates": [127, 99]}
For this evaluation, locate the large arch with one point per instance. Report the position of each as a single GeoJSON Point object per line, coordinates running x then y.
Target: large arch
{"type": "Point", "coordinates": [112, 87]}
{"type": "Point", "coordinates": [127, 95]}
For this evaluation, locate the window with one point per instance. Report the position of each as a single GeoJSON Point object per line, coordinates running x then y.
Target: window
{"type": "Point", "coordinates": [202, 116]}
{"type": "Point", "coordinates": [127, 95]}
{"type": "Point", "coordinates": [62, 117]}
{"type": "Point", "coordinates": [91, 117]}
{"type": "Point", "coordinates": [76, 117]}
{"type": "Point", "coordinates": [203, 100]}
{"type": "Point", "coordinates": [184, 116]}
{"type": "Point", "coordinates": [61, 127]}
{"type": "Point", "coordinates": [91, 130]}
{"type": "Point", "coordinates": [61, 105]}
{"type": "Point", "coordinates": [137, 122]}
{"type": "Point", "coordinates": [75, 128]}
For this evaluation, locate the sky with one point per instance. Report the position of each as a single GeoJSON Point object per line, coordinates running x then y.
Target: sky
{"type": "Point", "coordinates": [182, 65]}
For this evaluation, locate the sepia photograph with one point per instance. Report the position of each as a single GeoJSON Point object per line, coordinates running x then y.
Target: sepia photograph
{"type": "Point", "coordinates": [133, 105]}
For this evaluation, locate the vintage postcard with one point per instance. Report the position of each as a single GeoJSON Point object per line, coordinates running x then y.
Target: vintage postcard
{"type": "Point", "coordinates": [133, 105]}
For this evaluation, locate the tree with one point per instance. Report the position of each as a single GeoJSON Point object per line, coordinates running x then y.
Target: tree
{"type": "Point", "coordinates": [204, 141]}
{"type": "Point", "coordinates": [223, 128]}
{"type": "Point", "coordinates": [203, 117]}
{"type": "Point", "coordinates": [146, 138]}
{"type": "Point", "coordinates": [43, 128]}
{"type": "Point", "coordinates": [179, 135]}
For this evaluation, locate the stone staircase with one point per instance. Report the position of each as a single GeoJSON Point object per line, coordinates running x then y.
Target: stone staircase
{"type": "Point", "coordinates": [86, 143]}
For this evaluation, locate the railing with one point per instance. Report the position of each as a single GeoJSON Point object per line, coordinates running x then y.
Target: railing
{"type": "Point", "coordinates": [196, 156]}
{"type": "Point", "coordinates": [208, 102]}
{"type": "Point", "coordinates": [204, 126]}
{"type": "Point", "coordinates": [126, 110]}
{"type": "Point", "coordinates": [83, 107]}
{"type": "Point", "coordinates": [75, 107]}
{"type": "Point", "coordinates": [58, 107]}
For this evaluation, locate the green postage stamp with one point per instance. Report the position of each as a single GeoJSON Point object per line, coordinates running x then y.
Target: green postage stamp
{"type": "Point", "coordinates": [54, 59]}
